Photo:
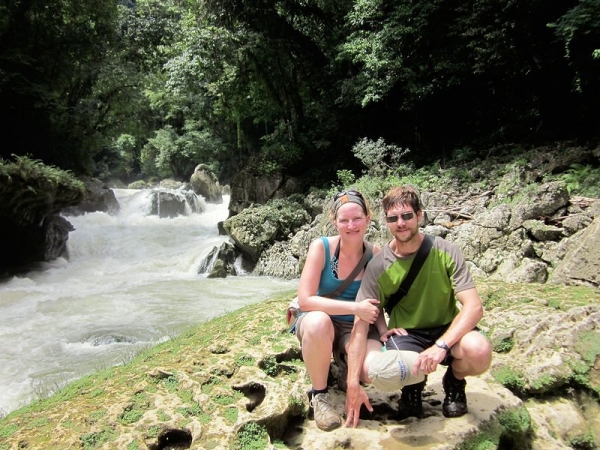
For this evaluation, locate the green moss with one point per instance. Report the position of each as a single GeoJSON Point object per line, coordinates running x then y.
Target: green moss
{"type": "Point", "coordinates": [245, 360]}
{"type": "Point", "coordinates": [512, 429]}
{"type": "Point", "coordinates": [544, 383]}
{"type": "Point", "coordinates": [584, 441]}
{"type": "Point", "coordinates": [251, 436]}
{"type": "Point", "coordinates": [192, 410]}
{"type": "Point", "coordinates": [224, 400]}
{"type": "Point", "coordinates": [230, 415]}
{"type": "Point", "coordinates": [95, 416]}
{"type": "Point", "coordinates": [210, 384]}
{"type": "Point", "coordinates": [8, 430]}
{"type": "Point", "coordinates": [204, 418]}
{"type": "Point", "coordinates": [130, 415]}
{"type": "Point", "coordinates": [510, 379]}
{"type": "Point", "coordinates": [95, 440]}
{"type": "Point", "coordinates": [135, 411]}
{"type": "Point", "coordinates": [504, 345]}
{"type": "Point", "coordinates": [270, 366]}
{"type": "Point", "coordinates": [162, 416]}
{"type": "Point", "coordinates": [153, 431]}
{"type": "Point", "coordinates": [588, 346]}
{"type": "Point", "coordinates": [516, 422]}
{"type": "Point", "coordinates": [132, 446]}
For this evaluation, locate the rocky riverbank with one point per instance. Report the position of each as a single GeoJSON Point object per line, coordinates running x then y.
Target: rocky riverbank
{"type": "Point", "coordinates": [238, 382]}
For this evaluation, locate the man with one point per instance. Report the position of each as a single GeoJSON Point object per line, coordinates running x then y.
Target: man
{"type": "Point", "coordinates": [427, 319]}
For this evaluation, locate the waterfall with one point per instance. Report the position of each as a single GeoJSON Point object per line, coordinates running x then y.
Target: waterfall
{"type": "Point", "coordinates": [130, 282]}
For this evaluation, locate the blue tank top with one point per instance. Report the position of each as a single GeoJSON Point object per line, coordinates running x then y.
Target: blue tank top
{"type": "Point", "coordinates": [328, 283]}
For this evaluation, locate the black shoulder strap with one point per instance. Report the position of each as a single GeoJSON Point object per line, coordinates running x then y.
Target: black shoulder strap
{"type": "Point", "coordinates": [415, 267]}
{"type": "Point", "coordinates": [350, 278]}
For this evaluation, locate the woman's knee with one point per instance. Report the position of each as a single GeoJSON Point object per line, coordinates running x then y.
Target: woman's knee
{"type": "Point", "coordinates": [316, 323]}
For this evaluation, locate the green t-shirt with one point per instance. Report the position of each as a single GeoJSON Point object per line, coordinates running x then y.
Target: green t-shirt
{"type": "Point", "coordinates": [431, 300]}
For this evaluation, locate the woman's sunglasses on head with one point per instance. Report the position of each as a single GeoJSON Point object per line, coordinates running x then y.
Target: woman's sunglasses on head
{"type": "Point", "coordinates": [404, 216]}
{"type": "Point", "coordinates": [350, 192]}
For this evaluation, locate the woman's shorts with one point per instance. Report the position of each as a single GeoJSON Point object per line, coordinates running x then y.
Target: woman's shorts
{"type": "Point", "coordinates": [342, 329]}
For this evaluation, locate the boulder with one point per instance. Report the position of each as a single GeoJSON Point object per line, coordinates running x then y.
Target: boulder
{"type": "Point", "coordinates": [258, 227]}
{"type": "Point", "coordinates": [219, 262]}
{"type": "Point", "coordinates": [168, 203]}
{"type": "Point", "coordinates": [581, 264]}
{"type": "Point", "coordinates": [97, 197]}
{"type": "Point", "coordinates": [204, 182]}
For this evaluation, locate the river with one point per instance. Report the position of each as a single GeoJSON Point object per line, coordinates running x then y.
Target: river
{"type": "Point", "coordinates": [130, 281]}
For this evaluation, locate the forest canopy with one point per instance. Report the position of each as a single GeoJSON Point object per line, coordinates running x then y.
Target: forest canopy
{"type": "Point", "coordinates": [148, 88]}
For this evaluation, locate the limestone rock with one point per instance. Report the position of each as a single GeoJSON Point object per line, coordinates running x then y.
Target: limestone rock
{"type": "Point", "coordinates": [582, 264]}
{"type": "Point", "coordinates": [204, 182]}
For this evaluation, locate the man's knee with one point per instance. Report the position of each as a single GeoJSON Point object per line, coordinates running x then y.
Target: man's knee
{"type": "Point", "coordinates": [476, 349]}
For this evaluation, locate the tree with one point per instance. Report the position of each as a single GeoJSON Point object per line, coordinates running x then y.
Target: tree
{"type": "Point", "coordinates": [51, 52]}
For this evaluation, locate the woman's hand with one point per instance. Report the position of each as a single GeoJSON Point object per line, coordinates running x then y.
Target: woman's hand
{"type": "Point", "coordinates": [394, 331]}
{"type": "Point", "coordinates": [367, 310]}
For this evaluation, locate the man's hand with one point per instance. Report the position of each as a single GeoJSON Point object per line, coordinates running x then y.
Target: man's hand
{"type": "Point", "coordinates": [367, 310]}
{"type": "Point", "coordinates": [428, 360]}
{"type": "Point", "coordinates": [355, 398]}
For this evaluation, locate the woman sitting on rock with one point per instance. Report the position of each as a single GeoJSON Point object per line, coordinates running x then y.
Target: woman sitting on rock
{"type": "Point", "coordinates": [325, 323]}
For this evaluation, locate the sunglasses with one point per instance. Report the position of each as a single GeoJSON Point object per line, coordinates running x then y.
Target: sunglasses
{"type": "Point", "coordinates": [350, 192]}
{"type": "Point", "coordinates": [404, 216]}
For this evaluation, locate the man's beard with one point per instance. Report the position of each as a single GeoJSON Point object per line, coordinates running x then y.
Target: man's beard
{"type": "Point", "coordinates": [407, 237]}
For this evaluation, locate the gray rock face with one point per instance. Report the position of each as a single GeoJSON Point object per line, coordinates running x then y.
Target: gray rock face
{"type": "Point", "coordinates": [248, 189]}
{"type": "Point", "coordinates": [545, 236]}
{"type": "Point", "coordinates": [204, 182]}
{"type": "Point", "coordinates": [581, 264]}
{"type": "Point", "coordinates": [173, 203]}
{"type": "Point", "coordinates": [98, 197]}
{"type": "Point", "coordinates": [220, 262]}
{"type": "Point", "coordinates": [258, 227]}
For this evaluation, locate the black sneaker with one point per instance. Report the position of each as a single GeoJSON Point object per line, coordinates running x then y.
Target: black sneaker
{"type": "Point", "coordinates": [411, 404]}
{"type": "Point", "coordinates": [342, 373]}
{"type": "Point", "coordinates": [455, 401]}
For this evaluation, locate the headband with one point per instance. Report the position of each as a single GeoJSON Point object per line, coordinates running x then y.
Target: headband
{"type": "Point", "coordinates": [349, 198]}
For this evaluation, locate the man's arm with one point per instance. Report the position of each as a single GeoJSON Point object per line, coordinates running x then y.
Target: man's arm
{"type": "Point", "coordinates": [355, 394]}
{"type": "Point", "coordinates": [468, 317]}
{"type": "Point", "coordinates": [466, 320]}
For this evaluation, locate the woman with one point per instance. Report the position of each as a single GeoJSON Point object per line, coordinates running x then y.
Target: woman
{"type": "Point", "coordinates": [325, 324]}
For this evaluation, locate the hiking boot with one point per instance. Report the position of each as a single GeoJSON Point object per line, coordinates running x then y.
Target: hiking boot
{"type": "Point", "coordinates": [342, 374]}
{"type": "Point", "coordinates": [325, 416]}
{"type": "Point", "coordinates": [455, 401]}
{"type": "Point", "coordinates": [411, 404]}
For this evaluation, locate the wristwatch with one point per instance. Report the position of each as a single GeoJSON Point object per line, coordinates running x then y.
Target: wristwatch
{"type": "Point", "coordinates": [442, 344]}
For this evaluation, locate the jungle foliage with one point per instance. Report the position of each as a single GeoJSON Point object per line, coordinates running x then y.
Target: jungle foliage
{"type": "Point", "coordinates": [151, 88]}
